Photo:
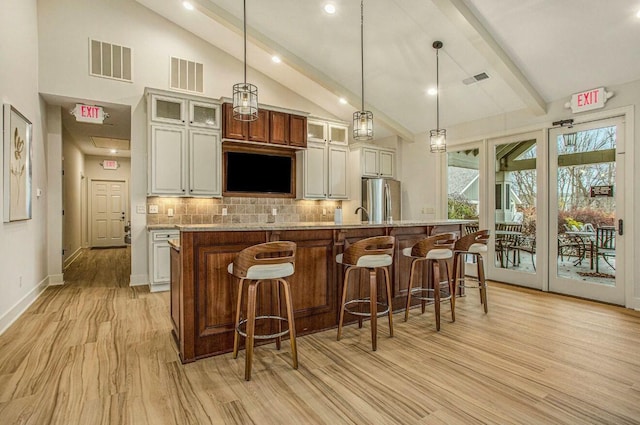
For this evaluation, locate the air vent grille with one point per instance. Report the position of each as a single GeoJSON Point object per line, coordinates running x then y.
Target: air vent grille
{"type": "Point", "coordinates": [110, 60]}
{"type": "Point", "coordinates": [476, 78]}
{"type": "Point", "coordinates": [186, 75]}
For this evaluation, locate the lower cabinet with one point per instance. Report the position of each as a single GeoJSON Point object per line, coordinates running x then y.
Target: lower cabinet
{"type": "Point", "coordinates": [159, 259]}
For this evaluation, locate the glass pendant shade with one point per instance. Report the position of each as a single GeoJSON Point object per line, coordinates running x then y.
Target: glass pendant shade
{"type": "Point", "coordinates": [438, 140]}
{"type": "Point", "coordinates": [245, 102]}
{"type": "Point", "coordinates": [363, 125]}
{"type": "Point", "coordinates": [570, 139]}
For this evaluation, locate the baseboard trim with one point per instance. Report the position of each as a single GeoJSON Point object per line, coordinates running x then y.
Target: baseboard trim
{"type": "Point", "coordinates": [159, 287]}
{"type": "Point", "coordinates": [138, 279]}
{"type": "Point", "coordinates": [73, 257]}
{"type": "Point", "coordinates": [22, 305]}
{"type": "Point", "coordinates": [56, 279]}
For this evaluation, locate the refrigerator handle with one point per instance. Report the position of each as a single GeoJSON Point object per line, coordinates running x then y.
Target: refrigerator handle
{"type": "Point", "coordinates": [387, 191]}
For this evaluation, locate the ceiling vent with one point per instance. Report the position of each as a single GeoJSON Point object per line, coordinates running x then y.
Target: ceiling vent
{"type": "Point", "coordinates": [476, 78]}
{"type": "Point", "coordinates": [110, 60]}
{"type": "Point", "coordinates": [186, 75]}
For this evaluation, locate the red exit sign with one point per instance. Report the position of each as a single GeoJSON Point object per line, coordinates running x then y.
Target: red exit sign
{"type": "Point", "coordinates": [88, 113]}
{"type": "Point", "coordinates": [588, 100]}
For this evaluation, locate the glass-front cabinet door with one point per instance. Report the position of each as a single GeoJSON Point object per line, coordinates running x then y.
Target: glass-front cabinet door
{"type": "Point", "coordinates": [316, 131]}
{"type": "Point", "coordinates": [203, 114]}
{"type": "Point", "coordinates": [167, 109]}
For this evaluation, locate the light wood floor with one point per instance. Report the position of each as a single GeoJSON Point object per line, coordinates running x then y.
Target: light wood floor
{"type": "Point", "coordinates": [98, 352]}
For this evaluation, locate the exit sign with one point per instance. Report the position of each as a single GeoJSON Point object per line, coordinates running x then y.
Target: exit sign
{"type": "Point", "coordinates": [588, 100]}
{"type": "Point", "coordinates": [88, 113]}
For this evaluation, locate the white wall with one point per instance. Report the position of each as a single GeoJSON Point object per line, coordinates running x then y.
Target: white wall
{"type": "Point", "coordinates": [73, 185]}
{"type": "Point", "coordinates": [63, 69]}
{"type": "Point", "coordinates": [23, 251]}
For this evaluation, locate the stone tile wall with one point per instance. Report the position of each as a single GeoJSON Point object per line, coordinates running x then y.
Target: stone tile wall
{"type": "Point", "coordinates": [239, 210]}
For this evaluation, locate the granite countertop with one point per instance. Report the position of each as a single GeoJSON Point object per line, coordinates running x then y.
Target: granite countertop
{"type": "Point", "coordinates": [307, 225]}
{"type": "Point", "coordinates": [161, 227]}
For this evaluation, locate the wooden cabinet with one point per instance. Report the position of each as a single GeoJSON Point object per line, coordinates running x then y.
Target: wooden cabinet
{"type": "Point", "coordinates": [184, 155]}
{"type": "Point", "coordinates": [275, 127]}
{"type": "Point", "coordinates": [377, 162]}
{"type": "Point", "coordinates": [203, 309]}
{"type": "Point", "coordinates": [175, 310]}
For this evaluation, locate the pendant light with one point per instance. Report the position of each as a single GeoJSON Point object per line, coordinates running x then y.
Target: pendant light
{"type": "Point", "coordinates": [245, 95]}
{"type": "Point", "coordinates": [438, 137]}
{"type": "Point", "coordinates": [362, 120]}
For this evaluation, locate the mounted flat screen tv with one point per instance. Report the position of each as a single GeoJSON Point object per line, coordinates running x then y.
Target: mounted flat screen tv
{"type": "Point", "coordinates": [256, 173]}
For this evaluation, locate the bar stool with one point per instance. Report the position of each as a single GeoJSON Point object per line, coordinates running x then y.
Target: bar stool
{"type": "Point", "coordinates": [371, 254]}
{"type": "Point", "coordinates": [430, 252]}
{"type": "Point", "coordinates": [271, 261]}
{"type": "Point", "coordinates": [473, 244]}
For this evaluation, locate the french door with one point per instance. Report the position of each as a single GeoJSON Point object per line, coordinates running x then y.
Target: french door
{"type": "Point", "coordinates": [586, 210]}
{"type": "Point", "coordinates": [517, 247]}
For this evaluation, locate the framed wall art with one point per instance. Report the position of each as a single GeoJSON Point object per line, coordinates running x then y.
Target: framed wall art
{"type": "Point", "coordinates": [17, 135]}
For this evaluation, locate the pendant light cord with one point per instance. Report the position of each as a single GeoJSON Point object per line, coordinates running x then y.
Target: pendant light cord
{"type": "Point", "coordinates": [244, 21]}
{"type": "Point", "coordinates": [362, 48]}
{"type": "Point", "coordinates": [437, 90]}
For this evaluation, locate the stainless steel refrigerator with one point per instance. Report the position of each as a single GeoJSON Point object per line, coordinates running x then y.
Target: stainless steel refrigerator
{"type": "Point", "coordinates": [381, 200]}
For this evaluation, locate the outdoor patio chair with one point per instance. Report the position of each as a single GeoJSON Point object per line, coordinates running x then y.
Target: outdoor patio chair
{"type": "Point", "coordinates": [605, 246]}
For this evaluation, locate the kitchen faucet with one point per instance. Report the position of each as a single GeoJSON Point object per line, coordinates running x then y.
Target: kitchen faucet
{"type": "Point", "coordinates": [363, 209]}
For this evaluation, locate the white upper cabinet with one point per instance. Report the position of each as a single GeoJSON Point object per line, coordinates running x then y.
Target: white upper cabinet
{"type": "Point", "coordinates": [377, 162]}
{"type": "Point", "coordinates": [316, 131]}
{"type": "Point", "coordinates": [321, 131]}
{"type": "Point", "coordinates": [185, 155]}
{"type": "Point", "coordinates": [337, 175]}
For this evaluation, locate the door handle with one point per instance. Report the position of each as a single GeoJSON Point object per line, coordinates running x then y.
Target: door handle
{"type": "Point", "coordinates": [621, 227]}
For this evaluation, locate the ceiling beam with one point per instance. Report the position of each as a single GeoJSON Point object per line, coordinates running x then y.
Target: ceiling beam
{"type": "Point", "coordinates": [468, 24]}
{"type": "Point", "coordinates": [223, 17]}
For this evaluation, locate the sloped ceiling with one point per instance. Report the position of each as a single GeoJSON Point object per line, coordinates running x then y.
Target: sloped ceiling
{"type": "Point", "coordinates": [534, 51]}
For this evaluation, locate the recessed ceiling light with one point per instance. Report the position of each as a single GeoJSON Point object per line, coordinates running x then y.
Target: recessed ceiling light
{"type": "Point", "coordinates": [432, 91]}
{"type": "Point", "coordinates": [276, 59]}
{"type": "Point", "coordinates": [330, 8]}
{"type": "Point", "coordinates": [114, 151]}
{"type": "Point", "coordinates": [187, 5]}
{"type": "Point", "coordinates": [342, 100]}
{"type": "Point", "coordinates": [638, 14]}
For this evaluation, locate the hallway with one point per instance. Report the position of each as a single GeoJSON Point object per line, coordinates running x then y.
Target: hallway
{"type": "Point", "coordinates": [96, 351]}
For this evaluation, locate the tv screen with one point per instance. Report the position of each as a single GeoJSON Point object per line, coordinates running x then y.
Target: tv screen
{"type": "Point", "coordinates": [258, 173]}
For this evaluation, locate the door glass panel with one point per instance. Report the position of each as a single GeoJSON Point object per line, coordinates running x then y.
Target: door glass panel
{"type": "Point", "coordinates": [315, 131]}
{"type": "Point", "coordinates": [463, 173]}
{"type": "Point", "coordinates": [515, 206]}
{"type": "Point", "coordinates": [338, 134]}
{"type": "Point", "coordinates": [586, 205]}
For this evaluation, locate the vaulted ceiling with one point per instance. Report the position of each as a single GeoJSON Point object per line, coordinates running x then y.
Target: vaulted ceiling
{"type": "Point", "coordinates": [534, 52]}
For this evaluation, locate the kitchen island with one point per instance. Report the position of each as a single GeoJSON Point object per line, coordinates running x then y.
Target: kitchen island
{"type": "Point", "coordinates": [203, 294]}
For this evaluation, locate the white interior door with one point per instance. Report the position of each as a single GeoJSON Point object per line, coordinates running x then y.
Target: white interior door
{"type": "Point", "coordinates": [108, 212]}
{"type": "Point", "coordinates": [587, 187]}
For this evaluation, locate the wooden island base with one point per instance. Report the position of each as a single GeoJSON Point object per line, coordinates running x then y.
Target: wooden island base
{"type": "Point", "coordinates": [203, 294]}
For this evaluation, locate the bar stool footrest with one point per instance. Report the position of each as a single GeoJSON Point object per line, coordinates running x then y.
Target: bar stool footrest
{"type": "Point", "coordinates": [264, 336]}
{"type": "Point", "coordinates": [365, 302]}
{"type": "Point", "coordinates": [415, 291]}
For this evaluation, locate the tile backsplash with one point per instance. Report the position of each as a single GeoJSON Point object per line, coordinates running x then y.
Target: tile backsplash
{"type": "Point", "coordinates": [239, 210]}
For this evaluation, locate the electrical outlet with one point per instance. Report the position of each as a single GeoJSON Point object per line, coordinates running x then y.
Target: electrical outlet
{"type": "Point", "coordinates": [153, 209]}
{"type": "Point", "coordinates": [324, 211]}
{"type": "Point", "coordinates": [170, 212]}
{"type": "Point", "coordinates": [224, 211]}
{"type": "Point", "coordinates": [274, 211]}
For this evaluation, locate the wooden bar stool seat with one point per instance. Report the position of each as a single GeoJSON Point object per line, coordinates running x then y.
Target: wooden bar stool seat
{"type": "Point", "coordinates": [430, 253]}
{"type": "Point", "coordinates": [371, 254]}
{"type": "Point", "coordinates": [271, 261]}
{"type": "Point", "coordinates": [474, 245]}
